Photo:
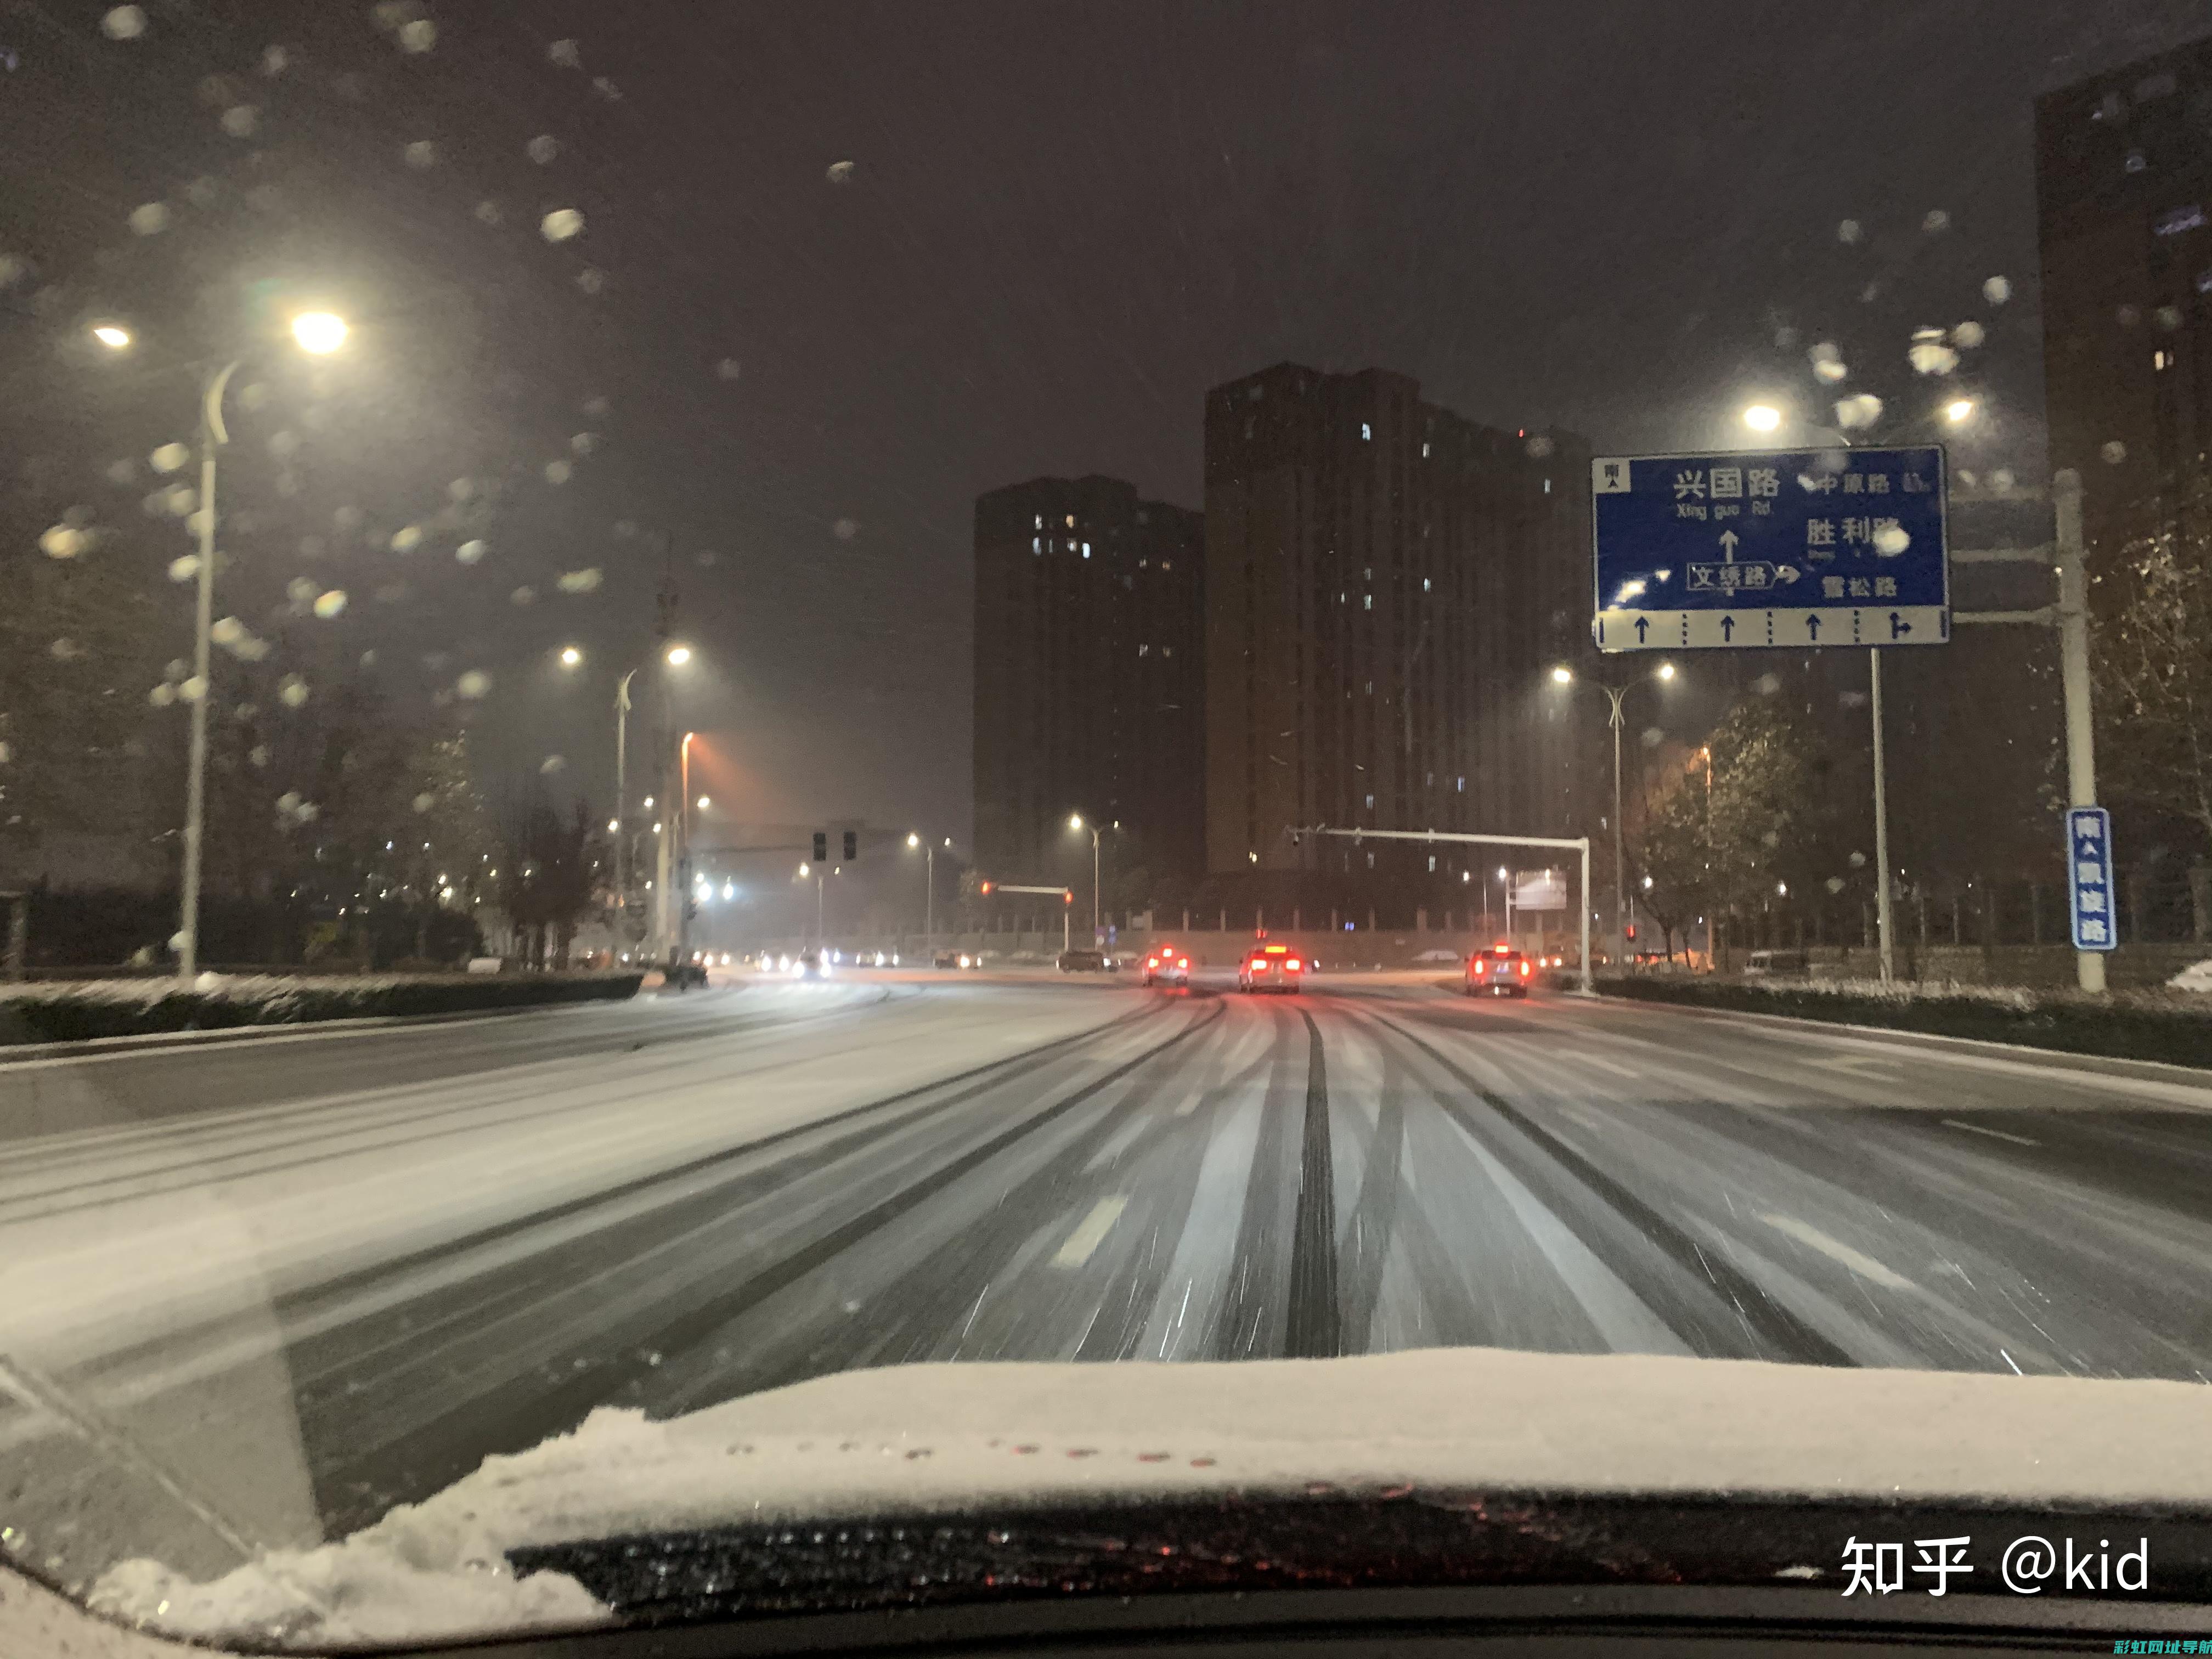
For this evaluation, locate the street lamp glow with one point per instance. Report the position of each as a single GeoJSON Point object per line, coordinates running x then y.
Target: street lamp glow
{"type": "Point", "coordinates": [804, 868]}
{"type": "Point", "coordinates": [702, 803]}
{"type": "Point", "coordinates": [1957, 410]}
{"type": "Point", "coordinates": [1075, 820]}
{"type": "Point", "coordinates": [1762, 417]}
{"type": "Point", "coordinates": [114, 338]}
{"type": "Point", "coordinates": [1563, 675]}
{"type": "Point", "coordinates": [614, 826]}
{"type": "Point", "coordinates": [1666, 671]}
{"type": "Point", "coordinates": [648, 803]}
{"type": "Point", "coordinates": [678, 655]}
{"type": "Point", "coordinates": [570, 656]}
{"type": "Point", "coordinates": [1501, 872]}
{"type": "Point", "coordinates": [318, 331]}
{"type": "Point", "coordinates": [913, 840]}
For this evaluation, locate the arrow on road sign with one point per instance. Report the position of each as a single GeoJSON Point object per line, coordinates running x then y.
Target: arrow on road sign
{"type": "Point", "coordinates": [1786, 573]}
{"type": "Point", "coordinates": [1812, 624]}
{"type": "Point", "coordinates": [1898, 625]}
{"type": "Point", "coordinates": [1641, 625]}
{"type": "Point", "coordinates": [1728, 545]}
{"type": "Point", "coordinates": [1728, 627]}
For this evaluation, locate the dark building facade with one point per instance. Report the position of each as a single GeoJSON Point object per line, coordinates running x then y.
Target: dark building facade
{"type": "Point", "coordinates": [2123, 189]}
{"type": "Point", "coordinates": [1090, 676]}
{"type": "Point", "coordinates": [1388, 587]}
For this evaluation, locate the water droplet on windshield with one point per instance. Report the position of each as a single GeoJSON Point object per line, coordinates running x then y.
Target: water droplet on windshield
{"type": "Point", "coordinates": [580, 581]}
{"type": "Point", "coordinates": [328, 605]}
{"type": "Point", "coordinates": [150, 220]}
{"type": "Point", "coordinates": [840, 173]}
{"type": "Point", "coordinates": [240, 121]}
{"type": "Point", "coordinates": [560, 224]}
{"type": "Point", "coordinates": [470, 551]}
{"type": "Point", "coordinates": [473, 684]}
{"type": "Point", "coordinates": [1996, 290]}
{"type": "Point", "coordinates": [845, 529]}
{"type": "Point", "coordinates": [547, 767]}
{"type": "Point", "coordinates": [418, 36]}
{"type": "Point", "coordinates": [1849, 231]}
{"type": "Point", "coordinates": [557, 473]}
{"type": "Point", "coordinates": [564, 54]}
{"type": "Point", "coordinates": [421, 153]}
{"type": "Point", "coordinates": [124, 23]}
{"type": "Point", "coordinates": [2114, 452]}
{"type": "Point", "coordinates": [1937, 221]}
{"type": "Point", "coordinates": [544, 149]}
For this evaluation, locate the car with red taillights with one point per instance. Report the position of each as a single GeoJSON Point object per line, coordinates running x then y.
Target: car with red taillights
{"type": "Point", "coordinates": [1168, 964]}
{"type": "Point", "coordinates": [1501, 971]}
{"type": "Point", "coordinates": [1270, 968]}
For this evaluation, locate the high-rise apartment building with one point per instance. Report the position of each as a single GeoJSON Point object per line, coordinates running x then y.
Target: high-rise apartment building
{"type": "Point", "coordinates": [1090, 675]}
{"type": "Point", "coordinates": [2124, 188]}
{"type": "Point", "coordinates": [1388, 586]}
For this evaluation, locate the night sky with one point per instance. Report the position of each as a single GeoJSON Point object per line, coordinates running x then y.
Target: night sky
{"type": "Point", "coordinates": [1060, 226]}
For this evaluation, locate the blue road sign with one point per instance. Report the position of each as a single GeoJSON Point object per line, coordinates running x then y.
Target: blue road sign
{"type": "Point", "coordinates": [2089, 877]}
{"type": "Point", "coordinates": [1795, 548]}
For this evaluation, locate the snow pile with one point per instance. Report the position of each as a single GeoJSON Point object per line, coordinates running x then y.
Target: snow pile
{"type": "Point", "coordinates": [964, 1438]}
{"type": "Point", "coordinates": [2197, 976]}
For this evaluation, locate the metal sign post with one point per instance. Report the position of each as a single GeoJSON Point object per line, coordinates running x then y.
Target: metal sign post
{"type": "Point", "coordinates": [2071, 615]}
{"type": "Point", "coordinates": [1797, 549]}
{"type": "Point", "coordinates": [1579, 843]}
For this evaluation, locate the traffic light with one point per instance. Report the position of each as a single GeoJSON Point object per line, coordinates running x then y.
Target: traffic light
{"type": "Point", "coordinates": [1067, 895]}
{"type": "Point", "coordinates": [822, 846]}
{"type": "Point", "coordinates": [852, 845]}
{"type": "Point", "coordinates": [986, 888]}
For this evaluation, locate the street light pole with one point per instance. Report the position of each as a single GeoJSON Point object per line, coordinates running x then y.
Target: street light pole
{"type": "Point", "coordinates": [212, 436]}
{"type": "Point", "coordinates": [1620, 839]}
{"type": "Point", "coordinates": [1094, 883]}
{"type": "Point", "coordinates": [621, 803]}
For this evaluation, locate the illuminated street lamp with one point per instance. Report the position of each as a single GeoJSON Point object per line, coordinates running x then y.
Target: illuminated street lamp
{"type": "Point", "coordinates": [111, 335]}
{"type": "Point", "coordinates": [1762, 417]}
{"type": "Point", "coordinates": [571, 657]}
{"type": "Point", "coordinates": [928, 890]}
{"type": "Point", "coordinates": [1615, 695]}
{"type": "Point", "coordinates": [1075, 822]}
{"type": "Point", "coordinates": [1959, 410]}
{"type": "Point", "coordinates": [321, 333]}
{"type": "Point", "coordinates": [678, 655]}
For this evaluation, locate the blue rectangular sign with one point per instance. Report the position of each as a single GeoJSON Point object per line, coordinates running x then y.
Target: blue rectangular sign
{"type": "Point", "coordinates": [2089, 877]}
{"type": "Point", "coordinates": [1794, 548]}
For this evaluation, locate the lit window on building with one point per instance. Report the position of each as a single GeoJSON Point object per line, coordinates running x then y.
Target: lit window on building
{"type": "Point", "coordinates": [1425, 584]}
{"type": "Point", "coordinates": [1366, 433]}
{"type": "Point", "coordinates": [1086, 550]}
{"type": "Point", "coordinates": [2177, 220]}
{"type": "Point", "coordinates": [1424, 452]}
{"type": "Point", "coordinates": [1462, 786]}
{"type": "Point", "coordinates": [1432, 864]}
{"type": "Point", "coordinates": [1369, 601]}
{"type": "Point", "coordinates": [1370, 803]}
{"type": "Point", "coordinates": [1040, 521]}
{"type": "Point", "coordinates": [1071, 522]}
{"type": "Point", "coordinates": [2161, 360]}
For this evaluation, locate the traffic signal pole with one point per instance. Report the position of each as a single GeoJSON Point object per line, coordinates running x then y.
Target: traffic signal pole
{"type": "Point", "coordinates": [1578, 843]}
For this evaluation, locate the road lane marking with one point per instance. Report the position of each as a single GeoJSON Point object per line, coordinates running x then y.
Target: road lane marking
{"type": "Point", "coordinates": [1851, 1062]}
{"type": "Point", "coordinates": [1975, 1128]}
{"type": "Point", "coordinates": [1604, 1065]}
{"type": "Point", "coordinates": [1090, 1231]}
{"type": "Point", "coordinates": [1836, 1250]}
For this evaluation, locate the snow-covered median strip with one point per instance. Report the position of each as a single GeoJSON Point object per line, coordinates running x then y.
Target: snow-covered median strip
{"type": "Point", "coordinates": [81, 1010]}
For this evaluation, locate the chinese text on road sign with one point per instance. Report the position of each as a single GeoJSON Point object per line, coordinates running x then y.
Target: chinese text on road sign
{"type": "Point", "coordinates": [2089, 877]}
{"type": "Point", "coordinates": [1796, 548]}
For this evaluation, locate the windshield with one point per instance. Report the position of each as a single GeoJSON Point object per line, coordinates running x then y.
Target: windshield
{"type": "Point", "coordinates": [701, 700]}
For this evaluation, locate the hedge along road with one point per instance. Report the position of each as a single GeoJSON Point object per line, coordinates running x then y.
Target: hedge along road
{"type": "Point", "coordinates": [2172, 1027]}
{"type": "Point", "coordinates": [64, 1012]}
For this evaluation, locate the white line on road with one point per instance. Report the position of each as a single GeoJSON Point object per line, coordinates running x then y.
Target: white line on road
{"type": "Point", "coordinates": [1864, 1266]}
{"type": "Point", "coordinates": [1090, 1231]}
{"type": "Point", "coordinates": [1590, 1059]}
{"type": "Point", "coordinates": [1975, 1128]}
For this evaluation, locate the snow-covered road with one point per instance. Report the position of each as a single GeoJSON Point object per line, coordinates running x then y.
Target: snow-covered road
{"type": "Point", "coordinates": [258, 1293]}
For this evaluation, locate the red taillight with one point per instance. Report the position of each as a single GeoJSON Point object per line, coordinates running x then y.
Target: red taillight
{"type": "Point", "coordinates": [1294, 964]}
{"type": "Point", "coordinates": [1152, 961]}
{"type": "Point", "coordinates": [1524, 969]}
{"type": "Point", "coordinates": [1185, 963]}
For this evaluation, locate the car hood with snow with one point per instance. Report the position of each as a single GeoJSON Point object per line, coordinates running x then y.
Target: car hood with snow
{"type": "Point", "coordinates": [1448, 1439]}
